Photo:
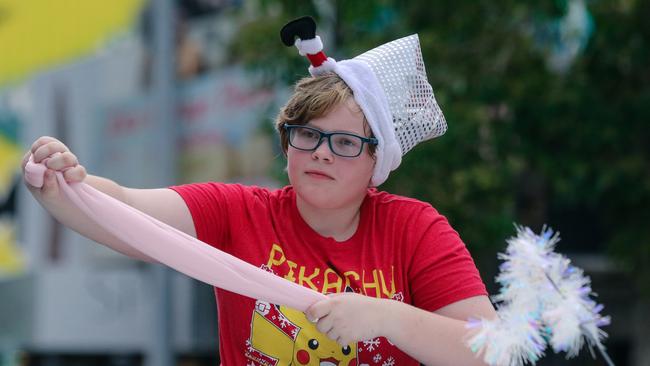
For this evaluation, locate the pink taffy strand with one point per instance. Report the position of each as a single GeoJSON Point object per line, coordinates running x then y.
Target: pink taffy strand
{"type": "Point", "coordinates": [154, 239]}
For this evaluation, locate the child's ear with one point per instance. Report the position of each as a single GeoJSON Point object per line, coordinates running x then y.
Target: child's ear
{"type": "Point", "coordinates": [374, 162]}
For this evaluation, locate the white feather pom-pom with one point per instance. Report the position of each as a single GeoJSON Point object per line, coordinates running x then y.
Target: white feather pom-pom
{"type": "Point", "coordinates": [510, 340]}
{"type": "Point", "coordinates": [543, 299]}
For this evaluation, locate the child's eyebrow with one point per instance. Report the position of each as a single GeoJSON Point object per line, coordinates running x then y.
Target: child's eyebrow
{"type": "Point", "coordinates": [311, 124]}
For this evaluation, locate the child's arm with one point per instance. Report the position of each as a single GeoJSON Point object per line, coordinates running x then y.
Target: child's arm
{"type": "Point", "coordinates": [163, 204]}
{"type": "Point", "coordinates": [436, 338]}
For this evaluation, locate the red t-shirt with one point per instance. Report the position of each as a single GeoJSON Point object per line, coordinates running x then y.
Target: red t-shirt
{"type": "Point", "coordinates": [403, 249]}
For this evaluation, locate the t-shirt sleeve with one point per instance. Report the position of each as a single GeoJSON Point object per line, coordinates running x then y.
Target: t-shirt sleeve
{"type": "Point", "coordinates": [212, 206]}
{"type": "Point", "coordinates": [442, 270]}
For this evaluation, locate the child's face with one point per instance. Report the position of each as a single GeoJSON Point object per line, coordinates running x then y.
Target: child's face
{"type": "Point", "coordinates": [323, 179]}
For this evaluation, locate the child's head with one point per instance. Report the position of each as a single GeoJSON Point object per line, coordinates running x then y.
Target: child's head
{"type": "Point", "coordinates": [389, 84]}
{"type": "Point", "coordinates": [334, 171]}
{"type": "Point", "coordinates": [315, 97]}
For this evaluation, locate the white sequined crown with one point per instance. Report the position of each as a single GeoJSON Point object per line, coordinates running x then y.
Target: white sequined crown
{"type": "Point", "coordinates": [399, 67]}
{"type": "Point", "coordinates": [390, 85]}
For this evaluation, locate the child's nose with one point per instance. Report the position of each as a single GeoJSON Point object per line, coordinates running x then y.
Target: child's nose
{"type": "Point", "coordinates": [323, 151]}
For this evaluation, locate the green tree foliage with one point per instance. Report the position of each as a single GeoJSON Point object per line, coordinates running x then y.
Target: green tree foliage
{"type": "Point", "coordinates": [525, 144]}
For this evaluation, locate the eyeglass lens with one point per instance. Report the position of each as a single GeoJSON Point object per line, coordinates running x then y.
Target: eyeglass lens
{"type": "Point", "coordinates": [341, 144]}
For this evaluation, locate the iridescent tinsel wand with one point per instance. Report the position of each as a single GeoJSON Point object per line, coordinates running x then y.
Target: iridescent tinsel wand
{"type": "Point", "coordinates": [544, 300]}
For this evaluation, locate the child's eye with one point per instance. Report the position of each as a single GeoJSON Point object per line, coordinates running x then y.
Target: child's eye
{"type": "Point", "coordinates": [313, 344]}
{"type": "Point", "coordinates": [307, 133]}
{"type": "Point", "coordinates": [347, 142]}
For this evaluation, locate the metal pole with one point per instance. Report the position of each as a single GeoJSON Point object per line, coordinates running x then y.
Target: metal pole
{"type": "Point", "coordinates": [161, 351]}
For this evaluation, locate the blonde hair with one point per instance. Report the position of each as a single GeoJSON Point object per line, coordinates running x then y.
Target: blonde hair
{"type": "Point", "coordinates": [314, 97]}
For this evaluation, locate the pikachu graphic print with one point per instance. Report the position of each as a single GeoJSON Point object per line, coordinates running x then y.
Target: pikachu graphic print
{"type": "Point", "coordinates": [283, 336]}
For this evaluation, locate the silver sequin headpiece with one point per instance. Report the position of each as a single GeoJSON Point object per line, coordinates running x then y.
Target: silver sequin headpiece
{"type": "Point", "coordinates": [390, 85]}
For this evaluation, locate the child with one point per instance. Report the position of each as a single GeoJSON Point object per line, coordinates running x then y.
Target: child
{"type": "Point", "coordinates": [402, 283]}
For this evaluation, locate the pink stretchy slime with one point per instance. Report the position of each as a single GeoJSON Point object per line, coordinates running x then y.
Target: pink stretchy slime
{"type": "Point", "coordinates": [143, 234]}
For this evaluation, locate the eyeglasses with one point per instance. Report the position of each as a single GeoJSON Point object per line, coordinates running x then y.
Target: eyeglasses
{"type": "Point", "coordinates": [343, 144]}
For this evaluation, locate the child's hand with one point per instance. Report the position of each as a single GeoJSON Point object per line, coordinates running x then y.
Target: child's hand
{"type": "Point", "coordinates": [57, 158]}
{"type": "Point", "coordinates": [349, 317]}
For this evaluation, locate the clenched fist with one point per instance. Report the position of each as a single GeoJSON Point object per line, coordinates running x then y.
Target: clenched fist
{"type": "Point", "coordinates": [57, 158]}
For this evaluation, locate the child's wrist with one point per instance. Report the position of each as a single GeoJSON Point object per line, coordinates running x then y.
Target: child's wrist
{"type": "Point", "coordinates": [390, 318]}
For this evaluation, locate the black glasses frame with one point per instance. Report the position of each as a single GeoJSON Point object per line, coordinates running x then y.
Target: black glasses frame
{"type": "Point", "coordinates": [327, 135]}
